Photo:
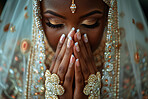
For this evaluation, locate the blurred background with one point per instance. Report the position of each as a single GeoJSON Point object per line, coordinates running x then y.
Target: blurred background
{"type": "Point", "coordinates": [144, 5]}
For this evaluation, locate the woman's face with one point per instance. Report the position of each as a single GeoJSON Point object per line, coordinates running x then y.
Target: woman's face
{"type": "Point", "coordinates": [89, 17]}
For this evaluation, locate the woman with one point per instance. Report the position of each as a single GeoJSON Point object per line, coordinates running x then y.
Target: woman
{"type": "Point", "coordinates": [76, 34]}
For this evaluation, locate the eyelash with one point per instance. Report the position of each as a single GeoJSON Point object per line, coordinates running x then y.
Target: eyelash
{"type": "Point", "coordinates": [54, 26]}
{"type": "Point", "coordinates": [91, 26]}
{"type": "Point", "coordinates": [61, 25]}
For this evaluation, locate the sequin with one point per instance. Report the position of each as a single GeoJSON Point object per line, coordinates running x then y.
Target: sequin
{"type": "Point", "coordinates": [26, 15]}
{"type": "Point", "coordinates": [6, 28]}
{"type": "Point", "coordinates": [12, 29]}
{"type": "Point", "coordinates": [25, 46]}
{"type": "Point", "coordinates": [137, 57]}
{"type": "Point", "coordinates": [140, 26]}
{"type": "Point", "coordinates": [25, 8]}
{"type": "Point", "coordinates": [133, 21]}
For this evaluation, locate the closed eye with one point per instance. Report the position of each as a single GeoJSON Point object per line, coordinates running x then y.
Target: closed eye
{"type": "Point", "coordinates": [96, 24]}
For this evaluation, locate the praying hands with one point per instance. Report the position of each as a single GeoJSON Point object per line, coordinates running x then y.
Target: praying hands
{"type": "Point", "coordinates": [73, 63]}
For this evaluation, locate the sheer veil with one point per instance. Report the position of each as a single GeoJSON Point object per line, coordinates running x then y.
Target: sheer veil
{"type": "Point", "coordinates": [16, 27]}
{"type": "Point", "coordinates": [134, 49]}
{"type": "Point", "coordinates": [16, 40]}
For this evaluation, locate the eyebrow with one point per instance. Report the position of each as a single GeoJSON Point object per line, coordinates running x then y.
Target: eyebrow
{"type": "Point", "coordinates": [58, 15]}
{"type": "Point", "coordinates": [91, 13]}
{"type": "Point", "coordinates": [55, 14]}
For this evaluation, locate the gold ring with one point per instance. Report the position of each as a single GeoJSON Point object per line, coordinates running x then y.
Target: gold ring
{"type": "Point", "coordinates": [53, 82]}
{"type": "Point", "coordinates": [86, 81]}
{"type": "Point", "coordinates": [95, 81]}
{"type": "Point", "coordinates": [61, 82]}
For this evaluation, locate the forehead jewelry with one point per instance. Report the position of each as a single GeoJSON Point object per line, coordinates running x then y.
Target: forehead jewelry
{"type": "Point", "coordinates": [73, 7]}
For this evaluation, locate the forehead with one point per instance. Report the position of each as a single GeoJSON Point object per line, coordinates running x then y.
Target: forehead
{"type": "Point", "coordinates": [63, 6]}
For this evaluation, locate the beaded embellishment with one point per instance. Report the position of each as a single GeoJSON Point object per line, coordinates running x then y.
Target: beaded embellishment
{"type": "Point", "coordinates": [36, 67]}
{"type": "Point", "coordinates": [110, 76]}
{"type": "Point", "coordinates": [93, 87]}
{"type": "Point", "coordinates": [52, 86]}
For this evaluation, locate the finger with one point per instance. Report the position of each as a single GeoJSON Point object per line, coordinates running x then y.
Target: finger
{"type": "Point", "coordinates": [60, 44]}
{"type": "Point", "coordinates": [70, 72]}
{"type": "Point", "coordinates": [84, 67]}
{"type": "Point", "coordinates": [84, 52]}
{"type": "Point", "coordinates": [75, 38]}
{"type": "Point", "coordinates": [89, 51]}
{"type": "Point", "coordinates": [79, 80]}
{"type": "Point", "coordinates": [59, 57]}
{"type": "Point", "coordinates": [61, 54]}
{"type": "Point", "coordinates": [65, 61]}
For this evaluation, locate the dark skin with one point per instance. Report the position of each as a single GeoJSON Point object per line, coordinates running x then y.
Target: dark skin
{"type": "Point", "coordinates": [73, 60]}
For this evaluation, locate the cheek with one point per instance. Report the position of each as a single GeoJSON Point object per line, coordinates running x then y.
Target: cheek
{"type": "Point", "coordinates": [52, 36]}
{"type": "Point", "coordinates": [95, 37]}
{"type": "Point", "coordinates": [53, 39]}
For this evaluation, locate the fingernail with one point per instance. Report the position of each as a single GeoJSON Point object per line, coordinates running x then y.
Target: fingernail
{"type": "Point", "coordinates": [62, 38]}
{"type": "Point", "coordinates": [73, 28]}
{"type": "Point", "coordinates": [69, 42]}
{"type": "Point", "coordinates": [78, 30]}
{"type": "Point", "coordinates": [85, 38]}
{"type": "Point", "coordinates": [71, 59]}
{"type": "Point", "coordinates": [71, 31]}
{"type": "Point", "coordinates": [78, 34]}
{"type": "Point", "coordinates": [77, 47]}
{"type": "Point", "coordinates": [77, 63]}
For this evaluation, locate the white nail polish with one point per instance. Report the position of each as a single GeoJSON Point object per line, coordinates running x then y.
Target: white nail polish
{"type": "Point", "coordinates": [71, 31]}
{"type": "Point", "coordinates": [85, 38]}
{"type": "Point", "coordinates": [78, 30]}
{"type": "Point", "coordinates": [77, 47]}
{"type": "Point", "coordinates": [76, 43]}
{"type": "Point", "coordinates": [73, 28]}
{"type": "Point", "coordinates": [71, 59]}
{"type": "Point", "coordinates": [78, 34]}
{"type": "Point", "coordinates": [77, 63]}
{"type": "Point", "coordinates": [62, 38]}
{"type": "Point", "coordinates": [70, 38]}
{"type": "Point", "coordinates": [69, 42]}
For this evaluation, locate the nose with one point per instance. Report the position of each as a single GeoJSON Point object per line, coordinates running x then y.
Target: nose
{"type": "Point", "coordinates": [69, 29]}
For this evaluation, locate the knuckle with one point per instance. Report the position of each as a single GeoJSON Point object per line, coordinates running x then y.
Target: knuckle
{"type": "Point", "coordinates": [85, 71]}
{"type": "Point", "coordinates": [65, 43]}
{"type": "Point", "coordinates": [59, 58]}
{"type": "Point", "coordinates": [85, 59]}
{"type": "Point", "coordinates": [81, 44]}
{"type": "Point", "coordinates": [68, 78]}
{"type": "Point", "coordinates": [59, 46]}
{"type": "Point", "coordinates": [67, 51]}
{"type": "Point", "coordinates": [54, 58]}
{"type": "Point", "coordinates": [80, 55]}
{"type": "Point", "coordinates": [80, 80]}
{"type": "Point", "coordinates": [89, 61]}
{"type": "Point", "coordinates": [61, 70]}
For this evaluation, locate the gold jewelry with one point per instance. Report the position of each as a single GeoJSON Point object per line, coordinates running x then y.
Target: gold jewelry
{"type": "Point", "coordinates": [111, 70]}
{"type": "Point", "coordinates": [73, 7]}
{"type": "Point", "coordinates": [61, 82]}
{"type": "Point", "coordinates": [52, 86]}
{"type": "Point", "coordinates": [93, 87]}
{"type": "Point", "coordinates": [86, 81]}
